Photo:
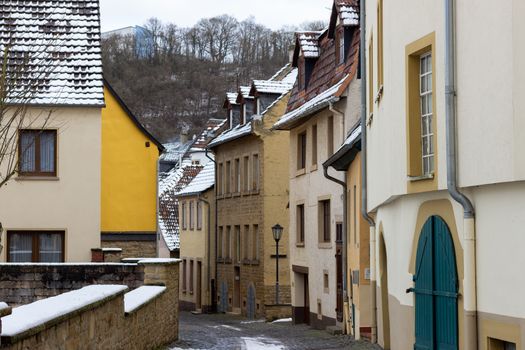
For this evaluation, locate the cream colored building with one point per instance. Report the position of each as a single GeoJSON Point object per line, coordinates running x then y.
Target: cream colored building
{"type": "Point", "coordinates": [51, 208]}
{"type": "Point", "coordinates": [197, 241]}
{"type": "Point", "coordinates": [322, 111]}
{"type": "Point", "coordinates": [429, 248]}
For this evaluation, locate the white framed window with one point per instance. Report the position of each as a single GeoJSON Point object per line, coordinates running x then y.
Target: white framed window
{"type": "Point", "coordinates": [426, 108]}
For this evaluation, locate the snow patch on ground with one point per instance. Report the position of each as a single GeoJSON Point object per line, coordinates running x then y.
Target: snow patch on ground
{"type": "Point", "coordinates": [283, 320]}
{"type": "Point", "coordinates": [254, 321]}
{"type": "Point", "coordinates": [227, 327]}
{"type": "Point", "coordinates": [262, 344]}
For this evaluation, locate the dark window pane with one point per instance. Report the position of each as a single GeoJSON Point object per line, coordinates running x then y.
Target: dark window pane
{"type": "Point", "coordinates": [47, 152]}
{"type": "Point", "coordinates": [28, 152]}
{"type": "Point", "coordinates": [20, 247]}
{"type": "Point", "coordinates": [50, 247]}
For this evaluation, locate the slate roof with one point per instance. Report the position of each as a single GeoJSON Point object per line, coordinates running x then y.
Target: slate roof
{"type": "Point", "coordinates": [174, 151]}
{"type": "Point", "coordinates": [202, 182]}
{"type": "Point", "coordinates": [169, 205]}
{"type": "Point", "coordinates": [54, 51]}
{"type": "Point", "coordinates": [328, 80]}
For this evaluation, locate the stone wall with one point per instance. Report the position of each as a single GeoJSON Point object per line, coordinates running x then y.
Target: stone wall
{"type": "Point", "coordinates": [133, 249]}
{"type": "Point", "coordinates": [25, 283]}
{"type": "Point", "coordinates": [105, 324]}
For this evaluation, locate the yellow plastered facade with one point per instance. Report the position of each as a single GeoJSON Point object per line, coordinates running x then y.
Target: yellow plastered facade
{"type": "Point", "coordinates": [129, 172]}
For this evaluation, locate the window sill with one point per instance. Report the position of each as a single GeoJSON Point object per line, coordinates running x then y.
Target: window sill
{"type": "Point", "coordinates": [37, 178]}
{"type": "Point", "coordinates": [236, 194]}
{"type": "Point", "coordinates": [300, 172]}
{"type": "Point", "coordinates": [299, 245]}
{"type": "Point", "coordinates": [254, 262]}
{"type": "Point", "coordinates": [254, 192]}
{"type": "Point", "coordinates": [421, 177]}
{"type": "Point", "coordinates": [313, 167]}
{"type": "Point", "coordinates": [324, 245]}
{"type": "Point", "coordinates": [228, 261]}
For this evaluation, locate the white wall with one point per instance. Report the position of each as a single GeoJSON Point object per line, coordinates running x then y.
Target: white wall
{"type": "Point", "coordinates": [71, 203]}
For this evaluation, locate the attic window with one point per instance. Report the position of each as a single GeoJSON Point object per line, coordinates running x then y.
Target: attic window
{"type": "Point", "coordinates": [341, 47]}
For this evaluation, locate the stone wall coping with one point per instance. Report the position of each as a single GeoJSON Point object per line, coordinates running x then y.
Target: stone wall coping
{"type": "Point", "coordinates": [140, 297]}
{"type": "Point", "coordinates": [159, 261]}
{"type": "Point", "coordinates": [112, 250]}
{"type": "Point", "coordinates": [28, 320]}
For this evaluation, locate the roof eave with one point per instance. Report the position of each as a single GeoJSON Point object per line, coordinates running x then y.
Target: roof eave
{"type": "Point", "coordinates": [303, 117]}
{"type": "Point", "coordinates": [342, 159]}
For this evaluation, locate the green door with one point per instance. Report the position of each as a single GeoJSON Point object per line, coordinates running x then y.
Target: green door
{"type": "Point", "coordinates": [436, 287]}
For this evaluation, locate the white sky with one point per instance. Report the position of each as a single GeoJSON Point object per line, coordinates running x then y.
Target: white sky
{"type": "Point", "coordinates": [185, 13]}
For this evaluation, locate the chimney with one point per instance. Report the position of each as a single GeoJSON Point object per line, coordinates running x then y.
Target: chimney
{"type": "Point", "coordinates": [183, 138]}
{"type": "Point", "coordinates": [291, 51]}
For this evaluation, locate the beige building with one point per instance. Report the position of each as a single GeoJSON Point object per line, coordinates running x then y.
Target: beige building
{"type": "Point", "coordinates": [197, 242]}
{"type": "Point", "coordinates": [51, 208]}
{"type": "Point", "coordinates": [445, 123]}
{"type": "Point", "coordinates": [322, 111]}
{"type": "Point", "coordinates": [252, 196]}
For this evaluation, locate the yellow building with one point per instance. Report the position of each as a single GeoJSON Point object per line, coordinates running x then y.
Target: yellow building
{"type": "Point", "coordinates": [129, 180]}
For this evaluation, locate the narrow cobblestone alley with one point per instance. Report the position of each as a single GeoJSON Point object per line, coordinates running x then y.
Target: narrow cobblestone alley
{"type": "Point", "coordinates": [227, 332]}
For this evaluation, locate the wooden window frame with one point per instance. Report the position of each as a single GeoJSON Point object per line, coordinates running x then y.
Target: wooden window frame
{"type": "Point", "coordinates": [35, 245]}
{"type": "Point", "coordinates": [314, 145]}
{"type": "Point", "coordinates": [417, 181]}
{"type": "Point", "coordinates": [37, 172]}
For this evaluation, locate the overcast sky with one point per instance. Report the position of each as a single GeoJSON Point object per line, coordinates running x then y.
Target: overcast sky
{"type": "Point", "coordinates": [272, 13]}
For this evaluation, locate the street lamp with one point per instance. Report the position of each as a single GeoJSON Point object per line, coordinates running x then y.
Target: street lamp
{"type": "Point", "coordinates": [277, 231]}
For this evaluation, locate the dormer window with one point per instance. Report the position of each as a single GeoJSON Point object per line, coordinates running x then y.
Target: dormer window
{"type": "Point", "coordinates": [230, 117]}
{"type": "Point", "coordinates": [244, 113]}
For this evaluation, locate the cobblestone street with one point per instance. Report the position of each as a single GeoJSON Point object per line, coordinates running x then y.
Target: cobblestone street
{"type": "Point", "coordinates": [227, 332]}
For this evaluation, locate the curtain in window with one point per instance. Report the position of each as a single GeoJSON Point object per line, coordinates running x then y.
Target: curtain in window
{"type": "Point", "coordinates": [28, 152]}
{"type": "Point", "coordinates": [20, 248]}
{"type": "Point", "coordinates": [47, 152]}
{"type": "Point", "coordinates": [50, 247]}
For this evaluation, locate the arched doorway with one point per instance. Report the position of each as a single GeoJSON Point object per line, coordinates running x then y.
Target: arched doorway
{"type": "Point", "coordinates": [436, 288]}
{"type": "Point", "coordinates": [385, 312]}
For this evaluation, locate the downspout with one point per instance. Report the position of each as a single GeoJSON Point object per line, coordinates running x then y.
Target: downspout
{"type": "Point", "coordinates": [364, 193]}
{"type": "Point", "coordinates": [208, 267]}
{"type": "Point", "coordinates": [469, 244]}
{"type": "Point", "coordinates": [346, 298]}
{"type": "Point", "coordinates": [214, 286]}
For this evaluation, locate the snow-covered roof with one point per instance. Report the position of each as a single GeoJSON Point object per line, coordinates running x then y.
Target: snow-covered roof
{"type": "Point", "coordinates": [349, 15]}
{"type": "Point", "coordinates": [141, 296]}
{"type": "Point", "coordinates": [272, 87]}
{"type": "Point", "coordinates": [291, 77]}
{"type": "Point", "coordinates": [202, 182]}
{"type": "Point", "coordinates": [309, 43]}
{"type": "Point", "coordinates": [232, 134]}
{"type": "Point", "coordinates": [244, 92]}
{"type": "Point", "coordinates": [315, 104]}
{"type": "Point", "coordinates": [174, 150]}
{"type": "Point", "coordinates": [212, 128]}
{"type": "Point", "coordinates": [169, 205]}
{"type": "Point", "coordinates": [26, 317]}
{"type": "Point", "coordinates": [232, 97]}
{"type": "Point", "coordinates": [54, 55]}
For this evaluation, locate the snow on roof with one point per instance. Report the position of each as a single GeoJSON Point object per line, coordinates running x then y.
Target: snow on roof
{"type": "Point", "coordinates": [353, 136]}
{"type": "Point", "coordinates": [26, 317]}
{"type": "Point", "coordinates": [309, 43]}
{"type": "Point", "coordinates": [174, 150]}
{"type": "Point", "coordinates": [312, 106]}
{"type": "Point", "coordinates": [277, 75]}
{"type": "Point", "coordinates": [169, 205]}
{"type": "Point", "coordinates": [232, 97]}
{"type": "Point", "coordinates": [272, 87]}
{"type": "Point", "coordinates": [54, 55]}
{"type": "Point", "coordinates": [232, 134]}
{"type": "Point", "coordinates": [211, 129]}
{"type": "Point", "coordinates": [348, 12]}
{"type": "Point", "coordinates": [291, 77]}
{"type": "Point", "coordinates": [245, 92]}
{"type": "Point", "coordinates": [202, 182]}
{"type": "Point", "coordinates": [141, 296]}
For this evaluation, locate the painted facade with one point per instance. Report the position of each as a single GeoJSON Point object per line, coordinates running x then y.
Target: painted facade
{"type": "Point", "coordinates": [129, 181]}
{"type": "Point", "coordinates": [197, 242]}
{"type": "Point", "coordinates": [252, 196]}
{"type": "Point", "coordinates": [322, 111]}
{"type": "Point", "coordinates": [412, 207]}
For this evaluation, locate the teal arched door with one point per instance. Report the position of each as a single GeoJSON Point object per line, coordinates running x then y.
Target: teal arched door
{"type": "Point", "coordinates": [436, 288]}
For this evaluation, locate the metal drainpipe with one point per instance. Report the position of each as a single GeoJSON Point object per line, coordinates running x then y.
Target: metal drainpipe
{"type": "Point", "coordinates": [214, 295]}
{"type": "Point", "coordinates": [347, 298]}
{"type": "Point", "coordinates": [345, 218]}
{"type": "Point", "coordinates": [208, 267]}
{"type": "Point", "coordinates": [469, 244]}
{"type": "Point", "coordinates": [364, 193]}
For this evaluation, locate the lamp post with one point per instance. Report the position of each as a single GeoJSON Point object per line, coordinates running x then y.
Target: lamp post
{"type": "Point", "coordinates": [277, 231]}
